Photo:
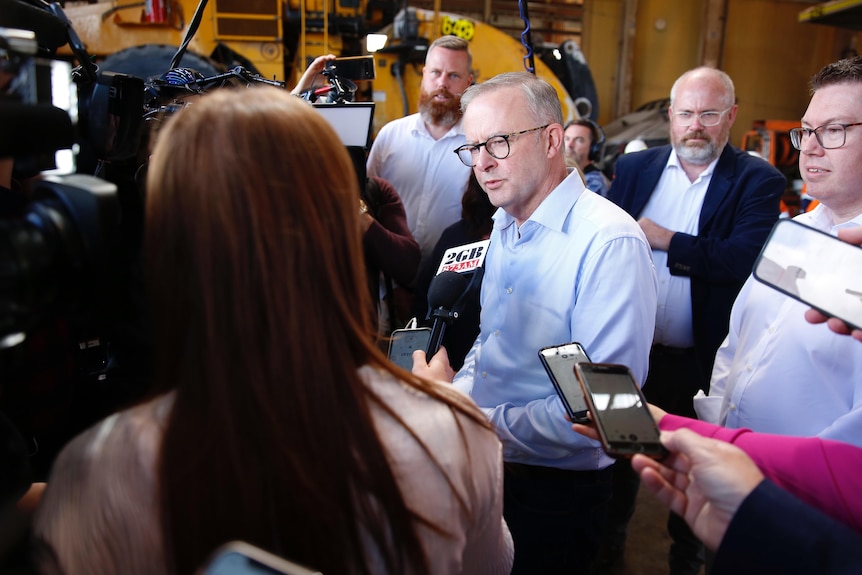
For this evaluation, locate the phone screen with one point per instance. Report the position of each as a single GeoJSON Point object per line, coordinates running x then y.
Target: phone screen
{"type": "Point", "coordinates": [619, 410]}
{"type": "Point", "coordinates": [559, 362]}
{"type": "Point", "coordinates": [815, 268]}
{"type": "Point", "coordinates": [404, 342]}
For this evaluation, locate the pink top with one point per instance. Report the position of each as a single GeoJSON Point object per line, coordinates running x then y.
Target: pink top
{"type": "Point", "coordinates": [824, 473]}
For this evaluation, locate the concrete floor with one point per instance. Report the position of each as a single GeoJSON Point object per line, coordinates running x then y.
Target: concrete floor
{"type": "Point", "coordinates": [648, 542]}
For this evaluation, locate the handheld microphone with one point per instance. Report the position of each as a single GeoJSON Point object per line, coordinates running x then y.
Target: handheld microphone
{"type": "Point", "coordinates": [444, 292]}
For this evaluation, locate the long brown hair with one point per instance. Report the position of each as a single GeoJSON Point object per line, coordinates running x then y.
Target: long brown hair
{"type": "Point", "coordinates": [257, 280]}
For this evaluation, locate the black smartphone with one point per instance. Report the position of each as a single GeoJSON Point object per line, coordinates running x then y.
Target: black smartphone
{"type": "Point", "coordinates": [403, 342]}
{"type": "Point", "coordinates": [559, 362]}
{"type": "Point", "coordinates": [815, 268]}
{"type": "Point", "coordinates": [239, 558]}
{"type": "Point", "coordinates": [355, 67]}
{"type": "Point", "coordinates": [619, 410]}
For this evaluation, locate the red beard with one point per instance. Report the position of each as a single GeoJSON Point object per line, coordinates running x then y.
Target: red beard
{"type": "Point", "coordinates": [445, 113]}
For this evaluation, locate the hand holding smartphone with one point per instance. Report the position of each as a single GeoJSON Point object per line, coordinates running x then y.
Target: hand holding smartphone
{"type": "Point", "coordinates": [559, 361]}
{"type": "Point", "coordinates": [619, 410]}
{"type": "Point", "coordinates": [403, 342]}
{"type": "Point", "coordinates": [815, 268]}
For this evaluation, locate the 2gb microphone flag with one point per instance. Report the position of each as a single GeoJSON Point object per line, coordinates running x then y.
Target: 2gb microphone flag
{"type": "Point", "coordinates": [466, 258]}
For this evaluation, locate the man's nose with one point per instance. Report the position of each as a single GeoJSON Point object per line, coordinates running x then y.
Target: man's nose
{"type": "Point", "coordinates": [484, 160]}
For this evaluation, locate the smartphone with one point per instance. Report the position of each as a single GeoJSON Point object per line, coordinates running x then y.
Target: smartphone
{"type": "Point", "coordinates": [815, 268]}
{"type": "Point", "coordinates": [403, 342]}
{"type": "Point", "coordinates": [619, 410]}
{"type": "Point", "coordinates": [355, 67]}
{"type": "Point", "coordinates": [239, 558]}
{"type": "Point", "coordinates": [559, 362]}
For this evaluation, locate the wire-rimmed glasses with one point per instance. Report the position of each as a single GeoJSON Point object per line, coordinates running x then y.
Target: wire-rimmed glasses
{"type": "Point", "coordinates": [707, 119]}
{"type": "Point", "coordinates": [497, 147]}
{"type": "Point", "coordinates": [829, 136]}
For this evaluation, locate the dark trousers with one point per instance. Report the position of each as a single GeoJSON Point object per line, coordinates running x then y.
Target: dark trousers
{"type": "Point", "coordinates": [674, 377]}
{"type": "Point", "coordinates": [555, 517]}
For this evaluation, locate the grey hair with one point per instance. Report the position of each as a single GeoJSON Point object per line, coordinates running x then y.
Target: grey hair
{"type": "Point", "coordinates": [729, 90]}
{"type": "Point", "coordinates": [543, 104]}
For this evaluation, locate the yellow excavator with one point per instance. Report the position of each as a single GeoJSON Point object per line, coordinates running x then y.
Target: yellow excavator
{"type": "Point", "coordinates": [276, 39]}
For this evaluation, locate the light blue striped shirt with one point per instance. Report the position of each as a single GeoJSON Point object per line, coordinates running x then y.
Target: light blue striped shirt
{"type": "Point", "coordinates": [579, 269]}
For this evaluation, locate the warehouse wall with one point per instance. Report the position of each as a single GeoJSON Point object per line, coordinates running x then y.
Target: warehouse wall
{"type": "Point", "coordinates": [760, 43]}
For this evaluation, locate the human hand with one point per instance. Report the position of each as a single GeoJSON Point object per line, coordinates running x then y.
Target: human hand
{"type": "Point", "coordinates": [437, 369]}
{"type": "Point", "coordinates": [316, 67]}
{"type": "Point", "coordinates": [656, 412]}
{"type": "Point", "coordinates": [586, 429]}
{"type": "Point", "coordinates": [852, 236]}
{"type": "Point", "coordinates": [657, 236]}
{"type": "Point", "coordinates": [703, 480]}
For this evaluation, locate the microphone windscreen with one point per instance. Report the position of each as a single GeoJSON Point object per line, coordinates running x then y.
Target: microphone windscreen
{"type": "Point", "coordinates": [446, 288]}
{"type": "Point", "coordinates": [33, 129]}
{"type": "Point", "coordinates": [50, 30]}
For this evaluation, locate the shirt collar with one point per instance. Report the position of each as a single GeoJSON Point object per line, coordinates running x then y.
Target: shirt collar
{"type": "Point", "coordinates": [554, 209]}
{"type": "Point", "coordinates": [419, 128]}
{"type": "Point", "coordinates": [673, 161]}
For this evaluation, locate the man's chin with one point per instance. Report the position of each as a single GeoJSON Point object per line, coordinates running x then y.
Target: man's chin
{"type": "Point", "coordinates": [699, 154]}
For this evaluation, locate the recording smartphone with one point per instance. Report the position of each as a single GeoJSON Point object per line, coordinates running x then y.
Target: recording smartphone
{"type": "Point", "coordinates": [619, 410]}
{"type": "Point", "coordinates": [239, 558]}
{"type": "Point", "coordinates": [559, 361]}
{"type": "Point", "coordinates": [355, 67]}
{"type": "Point", "coordinates": [815, 268]}
{"type": "Point", "coordinates": [403, 342]}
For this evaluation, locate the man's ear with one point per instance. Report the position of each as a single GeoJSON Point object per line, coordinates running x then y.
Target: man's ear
{"type": "Point", "coordinates": [556, 136]}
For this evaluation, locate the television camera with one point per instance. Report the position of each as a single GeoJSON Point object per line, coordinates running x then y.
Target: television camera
{"type": "Point", "coordinates": [70, 242]}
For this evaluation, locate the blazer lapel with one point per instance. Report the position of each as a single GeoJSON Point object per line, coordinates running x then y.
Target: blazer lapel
{"type": "Point", "coordinates": [647, 181]}
{"type": "Point", "coordinates": [719, 186]}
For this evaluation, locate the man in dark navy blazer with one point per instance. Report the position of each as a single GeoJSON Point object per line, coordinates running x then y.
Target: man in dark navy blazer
{"type": "Point", "coordinates": [706, 208]}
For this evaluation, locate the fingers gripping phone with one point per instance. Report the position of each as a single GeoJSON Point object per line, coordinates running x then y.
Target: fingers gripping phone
{"type": "Point", "coordinates": [619, 410]}
{"type": "Point", "coordinates": [403, 342]}
{"type": "Point", "coordinates": [815, 268]}
{"type": "Point", "coordinates": [559, 362]}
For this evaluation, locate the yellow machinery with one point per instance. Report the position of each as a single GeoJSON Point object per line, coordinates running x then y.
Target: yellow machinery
{"type": "Point", "coordinates": [277, 40]}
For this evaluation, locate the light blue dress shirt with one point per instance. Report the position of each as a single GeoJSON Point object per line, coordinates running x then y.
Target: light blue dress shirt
{"type": "Point", "coordinates": [579, 269]}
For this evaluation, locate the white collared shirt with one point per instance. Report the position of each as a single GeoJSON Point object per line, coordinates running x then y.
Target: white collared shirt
{"type": "Point", "coordinates": [675, 204]}
{"type": "Point", "coordinates": [777, 373]}
{"type": "Point", "coordinates": [426, 173]}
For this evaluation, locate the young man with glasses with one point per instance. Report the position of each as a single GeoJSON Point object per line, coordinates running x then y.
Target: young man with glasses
{"type": "Point", "coordinates": [775, 372]}
{"type": "Point", "coordinates": [564, 265]}
{"type": "Point", "coordinates": [706, 208]}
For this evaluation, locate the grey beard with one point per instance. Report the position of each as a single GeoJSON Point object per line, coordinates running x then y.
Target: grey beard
{"type": "Point", "coordinates": [698, 156]}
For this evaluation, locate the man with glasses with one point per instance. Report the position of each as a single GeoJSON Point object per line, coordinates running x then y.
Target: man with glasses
{"type": "Point", "coordinates": [564, 265]}
{"type": "Point", "coordinates": [775, 372]}
{"type": "Point", "coordinates": [706, 208]}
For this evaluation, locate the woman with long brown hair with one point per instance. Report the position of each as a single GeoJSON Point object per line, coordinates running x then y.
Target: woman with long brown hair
{"type": "Point", "coordinates": [279, 422]}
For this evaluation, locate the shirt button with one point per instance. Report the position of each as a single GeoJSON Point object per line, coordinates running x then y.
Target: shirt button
{"type": "Point", "coordinates": [497, 332]}
{"type": "Point", "coordinates": [484, 374]}
{"type": "Point", "coordinates": [732, 407]}
{"type": "Point", "coordinates": [509, 290]}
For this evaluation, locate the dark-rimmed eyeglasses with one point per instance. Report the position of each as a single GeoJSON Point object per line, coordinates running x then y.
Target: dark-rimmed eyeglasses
{"type": "Point", "coordinates": [707, 119]}
{"type": "Point", "coordinates": [829, 136]}
{"type": "Point", "coordinates": [497, 147]}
